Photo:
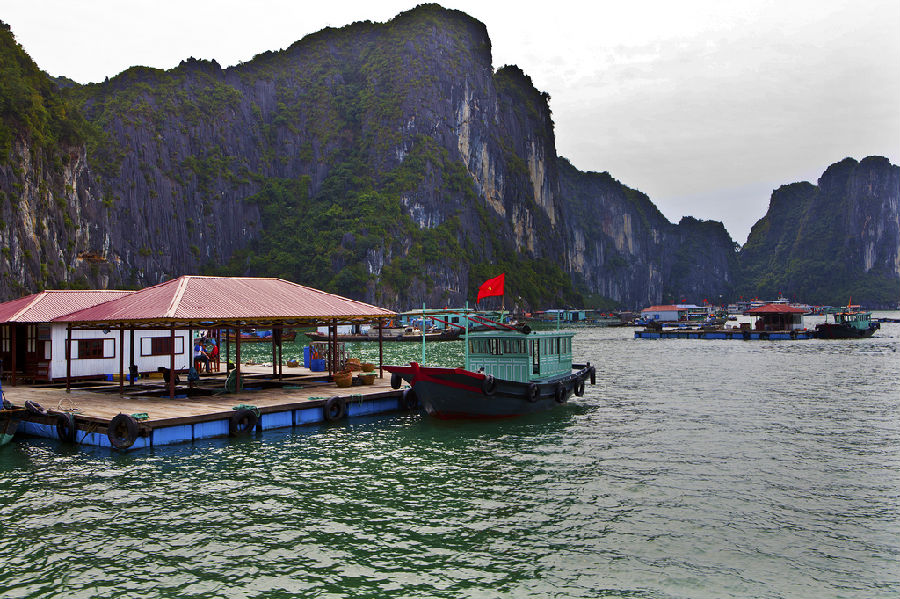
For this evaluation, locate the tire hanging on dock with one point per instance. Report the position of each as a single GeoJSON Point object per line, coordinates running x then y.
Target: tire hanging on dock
{"type": "Point", "coordinates": [396, 381]}
{"type": "Point", "coordinates": [65, 427]}
{"type": "Point", "coordinates": [593, 375]}
{"type": "Point", "coordinates": [409, 400]}
{"type": "Point", "coordinates": [489, 385]}
{"type": "Point", "coordinates": [122, 431]}
{"type": "Point", "coordinates": [242, 422]}
{"type": "Point", "coordinates": [334, 409]}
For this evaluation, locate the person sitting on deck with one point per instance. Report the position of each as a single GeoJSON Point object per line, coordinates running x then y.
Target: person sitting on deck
{"type": "Point", "coordinates": [200, 356]}
{"type": "Point", "coordinates": [212, 350]}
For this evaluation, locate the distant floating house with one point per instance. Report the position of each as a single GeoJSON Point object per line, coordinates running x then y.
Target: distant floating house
{"type": "Point", "coordinates": [564, 315]}
{"type": "Point", "coordinates": [664, 313]}
{"type": "Point", "coordinates": [777, 317]}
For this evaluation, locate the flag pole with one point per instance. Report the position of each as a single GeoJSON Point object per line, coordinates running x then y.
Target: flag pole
{"type": "Point", "coordinates": [466, 339]}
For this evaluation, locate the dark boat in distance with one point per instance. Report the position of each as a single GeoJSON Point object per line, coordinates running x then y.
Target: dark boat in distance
{"type": "Point", "coordinates": [508, 372]}
{"type": "Point", "coordinates": [258, 336]}
{"type": "Point", "coordinates": [848, 323]}
{"type": "Point", "coordinates": [409, 334]}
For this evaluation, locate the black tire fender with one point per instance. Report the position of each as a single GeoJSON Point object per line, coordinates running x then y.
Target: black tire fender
{"type": "Point", "coordinates": [334, 409]}
{"type": "Point", "coordinates": [746, 335]}
{"type": "Point", "coordinates": [242, 422]}
{"type": "Point", "coordinates": [534, 392]}
{"type": "Point", "coordinates": [579, 387]}
{"type": "Point", "coordinates": [593, 375]}
{"type": "Point", "coordinates": [396, 380]}
{"type": "Point", "coordinates": [122, 431]}
{"type": "Point", "coordinates": [409, 400]}
{"type": "Point", "coordinates": [489, 385]}
{"type": "Point", "coordinates": [65, 427]}
{"type": "Point", "coordinates": [559, 393]}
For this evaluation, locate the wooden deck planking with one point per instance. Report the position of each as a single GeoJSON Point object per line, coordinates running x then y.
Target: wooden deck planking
{"type": "Point", "coordinates": [105, 405]}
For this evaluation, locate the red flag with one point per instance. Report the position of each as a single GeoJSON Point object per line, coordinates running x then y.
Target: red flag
{"type": "Point", "coordinates": [491, 287]}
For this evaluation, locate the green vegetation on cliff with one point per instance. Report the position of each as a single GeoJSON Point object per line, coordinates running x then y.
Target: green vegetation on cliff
{"type": "Point", "coordinates": [829, 243]}
{"type": "Point", "coordinates": [31, 106]}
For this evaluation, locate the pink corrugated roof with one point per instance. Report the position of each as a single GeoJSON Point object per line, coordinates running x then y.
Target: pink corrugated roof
{"type": "Point", "coordinates": [47, 305]}
{"type": "Point", "coordinates": [775, 309]}
{"type": "Point", "coordinates": [202, 299]}
{"type": "Point", "coordinates": [668, 308]}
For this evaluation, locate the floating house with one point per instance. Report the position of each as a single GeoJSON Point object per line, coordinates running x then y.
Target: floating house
{"type": "Point", "coordinates": [777, 317]}
{"type": "Point", "coordinates": [231, 303]}
{"type": "Point", "coordinates": [664, 313]}
{"type": "Point", "coordinates": [33, 346]}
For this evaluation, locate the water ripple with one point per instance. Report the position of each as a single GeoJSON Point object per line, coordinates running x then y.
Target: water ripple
{"type": "Point", "coordinates": [692, 469]}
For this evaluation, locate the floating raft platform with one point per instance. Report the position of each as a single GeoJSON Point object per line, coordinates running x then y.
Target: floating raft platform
{"type": "Point", "coordinates": [85, 416]}
{"type": "Point", "coordinates": [736, 334]}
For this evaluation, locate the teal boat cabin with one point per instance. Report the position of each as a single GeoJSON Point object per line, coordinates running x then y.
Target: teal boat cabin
{"type": "Point", "coordinates": [515, 356]}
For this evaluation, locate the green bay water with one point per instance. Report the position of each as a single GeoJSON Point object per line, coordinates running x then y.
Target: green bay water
{"type": "Point", "coordinates": [694, 468]}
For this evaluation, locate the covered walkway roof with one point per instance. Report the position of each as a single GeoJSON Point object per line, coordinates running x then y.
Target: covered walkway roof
{"type": "Point", "coordinates": [238, 301]}
{"type": "Point", "coordinates": [48, 305]}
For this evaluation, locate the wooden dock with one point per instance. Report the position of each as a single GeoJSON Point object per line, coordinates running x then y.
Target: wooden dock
{"type": "Point", "coordinates": [92, 414]}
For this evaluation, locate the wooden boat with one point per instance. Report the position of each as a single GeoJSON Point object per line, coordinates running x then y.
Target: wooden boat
{"type": "Point", "coordinates": [9, 422]}
{"type": "Point", "coordinates": [408, 334]}
{"type": "Point", "coordinates": [508, 372]}
{"type": "Point", "coordinates": [258, 336]}
{"type": "Point", "coordinates": [848, 323]}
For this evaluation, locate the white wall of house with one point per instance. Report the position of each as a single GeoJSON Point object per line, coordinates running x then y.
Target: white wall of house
{"type": "Point", "coordinates": [660, 315]}
{"type": "Point", "coordinates": [109, 362]}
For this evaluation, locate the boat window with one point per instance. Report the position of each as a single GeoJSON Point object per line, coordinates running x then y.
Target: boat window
{"type": "Point", "coordinates": [495, 347]}
{"type": "Point", "coordinates": [558, 345]}
{"type": "Point", "coordinates": [536, 356]}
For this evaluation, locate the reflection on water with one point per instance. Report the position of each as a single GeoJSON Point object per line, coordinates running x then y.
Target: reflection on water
{"type": "Point", "coordinates": [693, 468]}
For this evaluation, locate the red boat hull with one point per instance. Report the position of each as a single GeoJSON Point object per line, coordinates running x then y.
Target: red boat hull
{"type": "Point", "coordinates": [459, 393]}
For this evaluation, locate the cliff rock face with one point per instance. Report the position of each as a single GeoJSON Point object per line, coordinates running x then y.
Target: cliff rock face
{"type": "Point", "coordinates": [626, 249]}
{"type": "Point", "coordinates": [832, 242]}
{"type": "Point", "coordinates": [387, 162]}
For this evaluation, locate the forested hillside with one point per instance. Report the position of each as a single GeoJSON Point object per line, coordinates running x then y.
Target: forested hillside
{"type": "Point", "coordinates": [390, 162]}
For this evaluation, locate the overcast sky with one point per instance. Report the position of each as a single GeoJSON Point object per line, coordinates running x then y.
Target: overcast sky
{"type": "Point", "coordinates": [706, 106]}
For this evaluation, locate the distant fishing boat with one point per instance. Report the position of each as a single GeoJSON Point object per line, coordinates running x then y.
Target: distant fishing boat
{"type": "Point", "coordinates": [508, 372]}
{"type": "Point", "coordinates": [847, 323]}
{"type": "Point", "coordinates": [258, 336]}
{"type": "Point", "coordinates": [410, 334]}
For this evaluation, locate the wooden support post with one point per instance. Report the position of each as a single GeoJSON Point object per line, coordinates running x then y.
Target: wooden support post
{"type": "Point", "coordinates": [172, 366]}
{"type": "Point", "coordinates": [190, 353]}
{"type": "Point", "coordinates": [381, 348]}
{"type": "Point", "coordinates": [121, 359]}
{"type": "Point", "coordinates": [334, 360]}
{"type": "Point", "coordinates": [274, 352]}
{"type": "Point", "coordinates": [12, 346]}
{"type": "Point", "coordinates": [237, 360]}
{"type": "Point", "coordinates": [68, 358]}
{"type": "Point", "coordinates": [131, 364]}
